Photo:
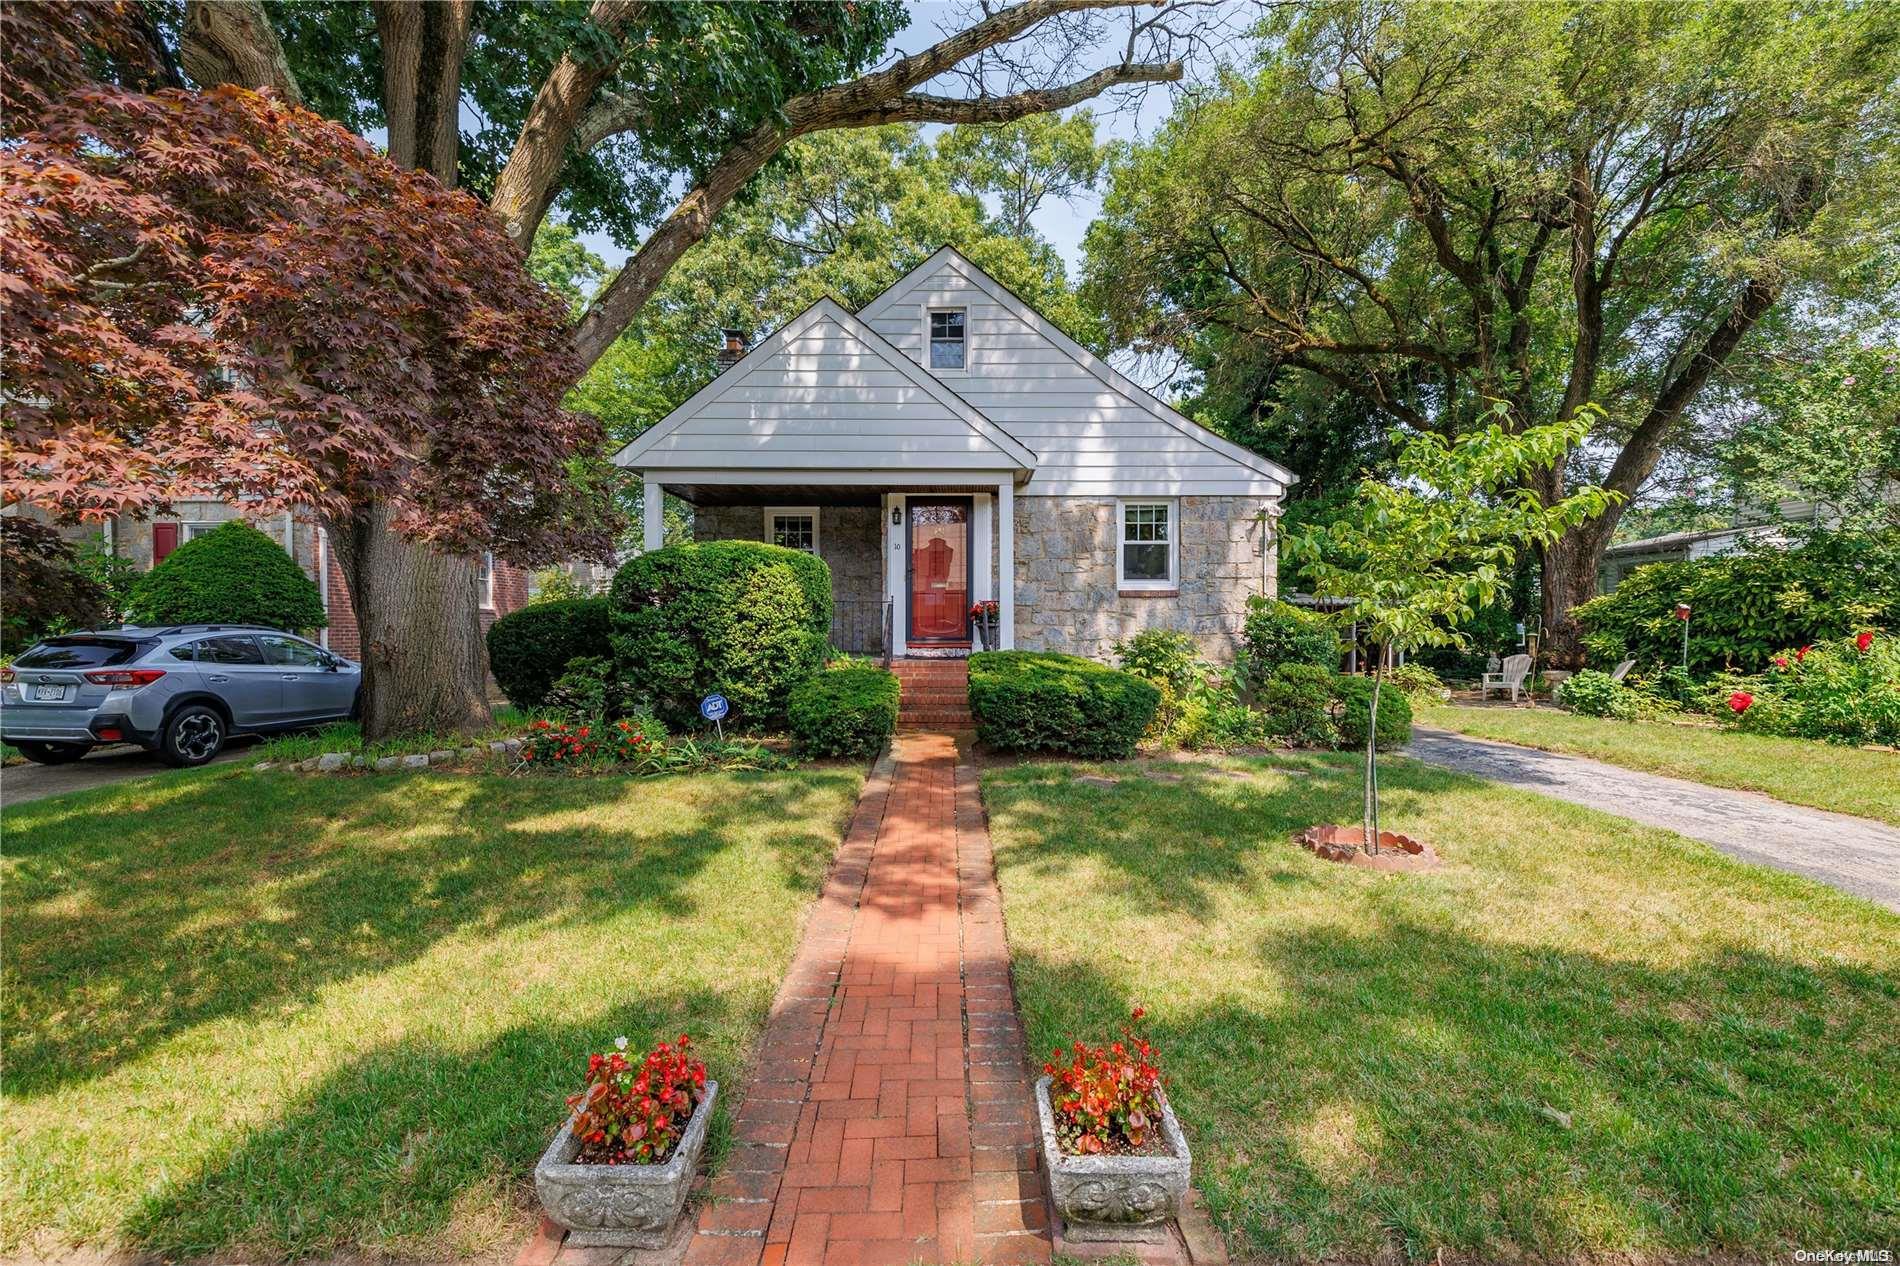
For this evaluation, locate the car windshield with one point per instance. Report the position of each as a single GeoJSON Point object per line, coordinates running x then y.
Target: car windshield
{"type": "Point", "coordinates": [82, 652]}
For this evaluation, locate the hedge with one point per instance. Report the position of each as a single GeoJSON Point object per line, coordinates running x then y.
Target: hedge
{"type": "Point", "coordinates": [1352, 698]}
{"type": "Point", "coordinates": [1033, 701]}
{"type": "Point", "coordinates": [739, 618]}
{"type": "Point", "coordinates": [529, 649]}
{"type": "Point", "coordinates": [233, 574]}
{"type": "Point", "coordinates": [849, 711]}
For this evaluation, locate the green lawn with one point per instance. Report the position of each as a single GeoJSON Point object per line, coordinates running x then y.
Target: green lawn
{"type": "Point", "coordinates": [262, 1016]}
{"type": "Point", "coordinates": [1800, 771]}
{"type": "Point", "coordinates": [1373, 1066]}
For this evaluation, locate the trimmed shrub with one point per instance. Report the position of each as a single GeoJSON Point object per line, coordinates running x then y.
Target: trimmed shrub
{"type": "Point", "coordinates": [47, 591]}
{"type": "Point", "coordinates": [1296, 705]}
{"type": "Point", "coordinates": [529, 650]}
{"type": "Point", "coordinates": [1352, 706]}
{"type": "Point", "coordinates": [1277, 633]}
{"type": "Point", "coordinates": [233, 574]}
{"type": "Point", "coordinates": [740, 618]}
{"type": "Point", "coordinates": [1035, 701]}
{"type": "Point", "coordinates": [849, 711]}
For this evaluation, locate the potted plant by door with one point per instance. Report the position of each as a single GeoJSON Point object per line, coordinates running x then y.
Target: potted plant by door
{"type": "Point", "coordinates": [618, 1173]}
{"type": "Point", "coordinates": [984, 616]}
{"type": "Point", "coordinates": [1117, 1161]}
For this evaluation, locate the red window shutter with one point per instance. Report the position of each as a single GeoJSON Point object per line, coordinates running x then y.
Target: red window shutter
{"type": "Point", "coordinates": [164, 541]}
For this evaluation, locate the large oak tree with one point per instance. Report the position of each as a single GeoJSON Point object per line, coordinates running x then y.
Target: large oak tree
{"type": "Point", "coordinates": [1414, 211]}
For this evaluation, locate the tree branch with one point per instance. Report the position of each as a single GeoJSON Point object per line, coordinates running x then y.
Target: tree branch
{"type": "Point", "coordinates": [233, 42]}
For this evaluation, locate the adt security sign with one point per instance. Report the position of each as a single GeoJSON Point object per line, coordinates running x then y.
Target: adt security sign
{"type": "Point", "coordinates": [714, 709]}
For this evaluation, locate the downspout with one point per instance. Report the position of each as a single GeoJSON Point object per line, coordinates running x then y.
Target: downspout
{"type": "Point", "coordinates": [323, 585]}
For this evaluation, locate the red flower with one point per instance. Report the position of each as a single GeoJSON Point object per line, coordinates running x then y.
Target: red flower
{"type": "Point", "coordinates": [1781, 661]}
{"type": "Point", "coordinates": [1741, 701]}
{"type": "Point", "coordinates": [1802, 654]}
{"type": "Point", "coordinates": [1865, 640]}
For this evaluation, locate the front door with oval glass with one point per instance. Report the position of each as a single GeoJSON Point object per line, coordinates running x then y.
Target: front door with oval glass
{"type": "Point", "coordinates": [939, 544]}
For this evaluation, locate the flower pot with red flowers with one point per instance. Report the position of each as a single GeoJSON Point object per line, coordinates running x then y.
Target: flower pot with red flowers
{"type": "Point", "coordinates": [985, 618]}
{"type": "Point", "coordinates": [1117, 1161]}
{"type": "Point", "coordinates": [618, 1173]}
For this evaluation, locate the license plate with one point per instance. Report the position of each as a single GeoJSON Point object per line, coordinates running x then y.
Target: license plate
{"type": "Point", "coordinates": [48, 694]}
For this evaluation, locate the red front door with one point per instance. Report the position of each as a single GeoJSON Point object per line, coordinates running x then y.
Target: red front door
{"type": "Point", "coordinates": [940, 571]}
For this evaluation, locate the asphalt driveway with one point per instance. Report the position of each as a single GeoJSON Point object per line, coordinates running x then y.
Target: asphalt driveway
{"type": "Point", "coordinates": [101, 767]}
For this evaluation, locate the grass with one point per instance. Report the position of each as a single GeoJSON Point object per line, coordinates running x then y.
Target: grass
{"type": "Point", "coordinates": [264, 1016]}
{"type": "Point", "coordinates": [1799, 771]}
{"type": "Point", "coordinates": [347, 736]}
{"type": "Point", "coordinates": [1580, 1039]}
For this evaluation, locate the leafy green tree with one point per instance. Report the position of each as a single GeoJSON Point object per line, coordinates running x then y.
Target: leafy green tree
{"type": "Point", "coordinates": [1826, 429]}
{"type": "Point", "coordinates": [1025, 164]}
{"type": "Point", "coordinates": [1424, 552]}
{"type": "Point", "coordinates": [560, 261]}
{"type": "Point", "coordinates": [1434, 207]}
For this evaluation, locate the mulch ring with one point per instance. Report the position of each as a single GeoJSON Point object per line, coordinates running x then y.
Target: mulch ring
{"type": "Point", "coordinates": [1398, 854]}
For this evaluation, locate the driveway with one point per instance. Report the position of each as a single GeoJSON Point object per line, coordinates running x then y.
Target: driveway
{"type": "Point", "coordinates": [1852, 854]}
{"type": "Point", "coordinates": [101, 767]}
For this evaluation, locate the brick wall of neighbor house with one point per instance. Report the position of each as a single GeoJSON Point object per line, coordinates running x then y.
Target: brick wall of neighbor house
{"type": "Point", "coordinates": [851, 542]}
{"type": "Point", "coordinates": [1066, 595]}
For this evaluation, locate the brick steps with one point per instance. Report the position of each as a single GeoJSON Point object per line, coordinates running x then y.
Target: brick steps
{"type": "Point", "coordinates": [934, 694]}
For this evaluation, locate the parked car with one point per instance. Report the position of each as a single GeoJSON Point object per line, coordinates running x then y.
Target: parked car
{"type": "Point", "coordinates": [179, 691]}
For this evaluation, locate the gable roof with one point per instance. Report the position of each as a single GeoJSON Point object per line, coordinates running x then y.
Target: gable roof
{"type": "Point", "coordinates": [1101, 370]}
{"type": "Point", "coordinates": [937, 424]}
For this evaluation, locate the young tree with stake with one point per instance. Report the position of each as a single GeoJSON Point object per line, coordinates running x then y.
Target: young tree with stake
{"type": "Point", "coordinates": [1422, 553]}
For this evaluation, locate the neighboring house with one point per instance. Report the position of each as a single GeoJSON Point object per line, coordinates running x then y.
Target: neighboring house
{"type": "Point", "coordinates": [504, 587]}
{"type": "Point", "coordinates": [949, 445]}
{"type": "Point", "coordinates": [1621, 559]}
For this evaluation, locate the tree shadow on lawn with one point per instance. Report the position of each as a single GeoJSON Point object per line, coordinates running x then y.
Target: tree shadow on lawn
{"type": "Point", "coordinates": [138, 912]}
{"type": "Point", "coordinates": [1408, 1092]}
{"type": "Point", "coordinates": [413, 1149]}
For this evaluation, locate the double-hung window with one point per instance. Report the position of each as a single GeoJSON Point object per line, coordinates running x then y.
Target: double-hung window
{"type": "Point", "coordinates": [486, 581]}
{"type": "Point", "coordinates": [794, 527]}
{"type": "Point", "coordinates": [1145, 553]}
{"type": "Point", "coordinates": [949, 344]}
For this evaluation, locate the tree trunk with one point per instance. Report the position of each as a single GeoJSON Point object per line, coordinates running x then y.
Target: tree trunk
{"type": "Point", "coordinates": [424, 665]}
{"type": "Point", "coordinates": [1570, 577]}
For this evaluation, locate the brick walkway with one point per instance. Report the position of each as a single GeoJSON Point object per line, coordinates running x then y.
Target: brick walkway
{"type": "Point", "coordinates": [889, 1117]}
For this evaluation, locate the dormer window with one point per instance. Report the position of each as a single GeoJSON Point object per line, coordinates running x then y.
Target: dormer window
{"type": "Point", "coordinates": [948, 345]}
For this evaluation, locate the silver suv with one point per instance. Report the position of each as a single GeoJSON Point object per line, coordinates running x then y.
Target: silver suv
{"type": "Point", "coordinates": [178, 691]}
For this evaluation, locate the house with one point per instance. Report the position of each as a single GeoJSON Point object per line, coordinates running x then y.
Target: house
{"type": "Point", "coordinates": [947, 445]}
{"type": "Point", "coordinates": [1624, 557]}
{"type": "Point", "coordinates": [147, 542]}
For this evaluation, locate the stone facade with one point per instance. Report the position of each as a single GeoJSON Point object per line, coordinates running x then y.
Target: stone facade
{"type": "Point", "coordinates": [1067, 598]}
{"type": "Point", "coordinates": [850, 540]}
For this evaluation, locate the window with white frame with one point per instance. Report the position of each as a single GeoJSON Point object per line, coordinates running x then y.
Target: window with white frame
{"type": "Point", "coordinates": [192, 529]}
{"type": "Point", "coordinates": [1145, 557]}
{"type": "Point", "coordinates": [487, 580]}
{"type": "Point", "coordinates": [949, 344]}
{"type": "Point", "coordinates": [794, 527]}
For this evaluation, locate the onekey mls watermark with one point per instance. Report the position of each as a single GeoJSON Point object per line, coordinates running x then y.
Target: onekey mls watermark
{"type": "Point", "coordinates": [1844, 1256]}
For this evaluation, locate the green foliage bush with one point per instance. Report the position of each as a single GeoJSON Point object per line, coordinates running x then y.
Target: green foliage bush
{"type": "Point", "coordinates": [740, 618]}
{"type": "Point", "coordinates": [1352, 708]}
{"type": "Point", "coordinates": [848, 711]}
{"type": "Point", "coordinates": [1417, 681]}
{"type": "Point", "coordinates": [47, 592]}
{"type": "Point", "coordinates": [1162, 656]}
{"type": "Point", "coordinates": [1836, 692]}
{"type": "Point", "coordinates": [1591, 693]}
{"type": "Point", "coordinates": [529, 650]}
{"type": "Point", "coordinates": [233, 574]}
{"type": "Point", "coordinates": [1748, 605]}
{"type": "Point", "coordinates": [591, 687]}
{"type": "Point", "coordinates": [1031, 701]}
{"type": "Point", "coordinates": [1277, 633]}
{"type": "Point", "coordinates": [1295, 705]}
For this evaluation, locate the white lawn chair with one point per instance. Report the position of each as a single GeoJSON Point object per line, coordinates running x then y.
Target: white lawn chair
{"type": "Point", "coordinates": [1516, 668]}
{"type": "Point", "coordinates": [1622, 670]}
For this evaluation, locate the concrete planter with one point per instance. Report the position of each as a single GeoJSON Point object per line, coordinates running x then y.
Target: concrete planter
{"type": "Point", "coordinates": [1114, 1198]}
{"type": "Point", "coordinates": [621, 1206]}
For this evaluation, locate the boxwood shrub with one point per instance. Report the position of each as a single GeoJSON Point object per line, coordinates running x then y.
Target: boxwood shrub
{"type": "Point", "coordinates": [1034, 701]}
{"type": "Point", "coordinates": [233, 574]}
{"type": "Point", "coordinates": [1352, 702]}
{"type": "Point", "coordinates": [846, 711]}
{"type": "Point", "coordinates": [740, 618]}
{"type": "Point", "coordinates": [528, 650]}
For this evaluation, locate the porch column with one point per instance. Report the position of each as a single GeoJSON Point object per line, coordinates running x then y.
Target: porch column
{"type": "Point", "coordinates": [1006, 562]}
{"type": "Point", "coordinates": [652, 513]}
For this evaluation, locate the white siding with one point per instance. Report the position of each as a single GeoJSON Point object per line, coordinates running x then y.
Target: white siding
{"type": "Point", "coordinates": [1091, 438]}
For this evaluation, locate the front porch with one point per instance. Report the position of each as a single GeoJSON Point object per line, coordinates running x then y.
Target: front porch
{"type": "Point", "coordinates": [908, 561]}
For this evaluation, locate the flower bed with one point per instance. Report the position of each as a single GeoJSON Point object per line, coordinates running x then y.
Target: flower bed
{"type": "Point", "coordinates": [637, 746]}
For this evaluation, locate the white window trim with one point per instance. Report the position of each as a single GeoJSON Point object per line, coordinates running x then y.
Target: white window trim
{"type": "Point", "coordinates": [488, 581]}
{"type": "Point", "coordinates": [810, 512]}
{"type": "Point", "coordinates": [1173, 581]}
{"type": "Point", "coordinates": [924, 355]}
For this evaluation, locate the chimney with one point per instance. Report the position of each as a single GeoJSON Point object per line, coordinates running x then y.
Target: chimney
{"type": "Point", "coordinates": [734, 350]}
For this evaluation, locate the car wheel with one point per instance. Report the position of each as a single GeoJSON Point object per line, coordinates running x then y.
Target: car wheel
{"type": "Point", "coordinates": [193, 736]}
{"type": "Point", "coordinates": [53, 753]}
